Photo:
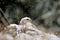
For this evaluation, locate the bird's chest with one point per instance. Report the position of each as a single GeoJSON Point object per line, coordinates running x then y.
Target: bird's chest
{"type": "Point", "coordinates": [26, 28]}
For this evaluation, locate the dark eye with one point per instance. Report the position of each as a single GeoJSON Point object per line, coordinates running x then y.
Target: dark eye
{"type": "Point", "coordinates": [27, 19]}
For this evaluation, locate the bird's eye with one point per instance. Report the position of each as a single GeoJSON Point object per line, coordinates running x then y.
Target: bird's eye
{"type": "Point", "coordinates": [27, 19]}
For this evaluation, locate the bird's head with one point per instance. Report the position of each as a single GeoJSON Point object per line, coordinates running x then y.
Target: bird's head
{"type": "Point", "coordinates": [25, 20]}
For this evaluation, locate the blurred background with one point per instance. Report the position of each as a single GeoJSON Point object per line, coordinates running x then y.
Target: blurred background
{"type": "Point", "coordinates": [44, 13]}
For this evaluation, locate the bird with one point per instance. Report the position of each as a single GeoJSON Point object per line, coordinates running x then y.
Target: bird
{"type": "Point", "coordinates": [18, 28]}
{"type": "Point", "coordinates": [27, 24]}
{"type": "Point", "coordinates": [32, 30]}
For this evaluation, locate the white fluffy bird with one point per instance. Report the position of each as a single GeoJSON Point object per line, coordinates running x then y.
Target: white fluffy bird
{"type": "Point", "coordinates": [36, 34]}
{"type": "Point", "coordinates": [18, 27]}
